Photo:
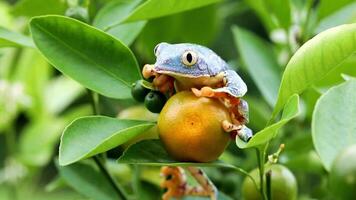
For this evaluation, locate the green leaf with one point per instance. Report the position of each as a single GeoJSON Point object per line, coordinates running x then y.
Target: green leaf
{"type": "Point", "coordinates": [333, 124]}
{"type": "Point", "coordinates": [152, 152]}
{"type": "Point", "coordinates": [260, 61]}
{"type": "Point", "coordinates": [315, 59]}
{"type": "Point", "coordinates": [110, 16]}
{"type": "Point", "coordinates": [280, 9]}
{"type": "Point", "coordinates": [157, 8]}
{"type": "Point", "coordinates": [60, 93]}
{"type": "Point", "coordinates": [114, 12]}
{"type": "Point", "coordinates": [12, 39]}
{"type": "Point", "coordinates": [88, 136]}
{"type": "Point", "coordinates": [37, 141]}
{"type": "Point", "coordinates": [345, 15]}
{"type": "Point", "coordinates": [32, 8]}
{"type": "Point", "coordinates": [93, 58]}
{"type": "Point", "coordinates": [88, 181]}
{"type": "Point", "coordinates": [291, 110]}
{"type": "Point", "coordinates": [327, 7]}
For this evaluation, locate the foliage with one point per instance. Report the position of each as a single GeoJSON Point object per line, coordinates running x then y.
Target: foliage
{"type": "Point", "coordinates": [63, 80]}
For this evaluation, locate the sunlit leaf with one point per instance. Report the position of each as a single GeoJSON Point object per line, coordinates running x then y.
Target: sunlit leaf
{"type": "Point", "coordinates": [315, 59]}
{"type": "Point", "coordinates": [13, 39]}
{"type": "Point", "coordinates": [157, 8]}
{"type": "Point", "coordinates": [88, 136]}
{"type": "Point", "coordinates": [333, 124]}
{"type": "Point", "coordinates": [260, 61]}
{"type": "Point", "coordinates": [291, 110]}
{"type": "Point", "coordinates": [93, 58]}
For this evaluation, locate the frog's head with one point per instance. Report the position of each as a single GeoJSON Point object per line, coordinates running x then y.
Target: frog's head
{"type": "Point", "coordinates": [187, 60]}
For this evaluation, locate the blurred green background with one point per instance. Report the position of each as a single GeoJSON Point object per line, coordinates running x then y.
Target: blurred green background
{"type": "Point", "coordinates": [256, 37]}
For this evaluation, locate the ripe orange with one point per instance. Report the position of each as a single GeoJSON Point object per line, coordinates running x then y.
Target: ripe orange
{"type": "Point", "coordinates": [190, 127]}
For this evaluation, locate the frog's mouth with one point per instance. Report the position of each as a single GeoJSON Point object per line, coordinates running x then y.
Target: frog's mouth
{"type": "Point", "coordinates": [177, 74]}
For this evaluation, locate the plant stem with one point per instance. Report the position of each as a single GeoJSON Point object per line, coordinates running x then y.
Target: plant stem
{"type": "Point", "coordinates": [260, 160]}
{"type": "Point", "coordinates": [94, 97]}
{"type": "Point", "coordinates": [268, 184]}
{"type": "Point", "coordinates": [117, 187]}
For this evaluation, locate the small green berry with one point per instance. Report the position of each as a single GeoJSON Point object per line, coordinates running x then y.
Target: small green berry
{"type": "Point", "coordinates": [139, 92]}
{"type": "Point", "coordinates": [155, 101]}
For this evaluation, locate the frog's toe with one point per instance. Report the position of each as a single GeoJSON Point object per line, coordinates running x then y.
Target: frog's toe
{"type": "Point", "coordinates": [245, 133]}
{"type": "Point", "coordinates": [148, 71]}
{"type": "Point", "coordinates": [207, 92]}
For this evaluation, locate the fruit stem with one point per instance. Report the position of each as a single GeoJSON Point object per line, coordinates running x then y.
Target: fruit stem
{"type": "Point", "coordinates": [260, 152]}
{"type": "Point", "coordinates": [268, 184]}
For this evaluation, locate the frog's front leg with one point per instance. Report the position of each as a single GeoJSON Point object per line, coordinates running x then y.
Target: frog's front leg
{"type": "Point", "coordinates": [161, 82]}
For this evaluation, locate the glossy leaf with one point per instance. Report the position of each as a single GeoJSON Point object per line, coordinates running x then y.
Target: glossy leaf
{"type": "Point", "coordinates": [157, 8]}
{"type": "Point", "coordinates": [110, 16]}
{"type": "Point", "coordinates": [315, 59]}
{"type": "Point", "coordinates": [333, 124]}
{"type": "Point", "coordinates": [88, 136]}
{"type": "Point", "coordinates": [93, 58]}
{"type": "Point", "coordinates": [290, 111]}
{"type": "Point", "coordinates": [260, 61]}
{"type": "Point", "coordinates": [12, 39]}
{"type": "Point", "coordinates": [88, 181]}
{"type": "Point", "coordinates": [152, 152]}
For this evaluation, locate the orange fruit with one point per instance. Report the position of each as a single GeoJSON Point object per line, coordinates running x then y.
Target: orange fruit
{"type": "Point", "coordinates": [190, 127]}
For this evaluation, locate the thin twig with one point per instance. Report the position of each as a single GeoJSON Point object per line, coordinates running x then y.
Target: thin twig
{"type": "Point", "coordinates": [103, 169]}
{"type": "Point", "coordinates": [94, 97]}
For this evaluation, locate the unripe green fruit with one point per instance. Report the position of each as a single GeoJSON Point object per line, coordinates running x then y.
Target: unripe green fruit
{"type": "Point", "coordinates": [283, 184]}
{"type": "Point", "coordinates": [154, 101]}
{"type": "Point", "coordinates": [139, 92]}
{"type": "Point", "coordinates": [342, 179]}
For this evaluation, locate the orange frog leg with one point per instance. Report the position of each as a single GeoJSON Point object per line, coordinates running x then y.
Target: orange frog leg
{"type": "Point", "coordinates": [238, 109]}
{"type": "Point", "coordinates": [175, 183]}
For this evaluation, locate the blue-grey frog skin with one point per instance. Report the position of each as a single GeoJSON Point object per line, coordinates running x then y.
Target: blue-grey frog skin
{"type": "Point", "coordinates": [205, 65]}
{"type": "Point", "coordinates": [194, 67]}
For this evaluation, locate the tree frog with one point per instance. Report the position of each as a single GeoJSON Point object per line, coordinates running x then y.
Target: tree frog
{"type": "Point", "coordinates": [197, 68]}
{"type": "Point", "coordinates": [194, 67]}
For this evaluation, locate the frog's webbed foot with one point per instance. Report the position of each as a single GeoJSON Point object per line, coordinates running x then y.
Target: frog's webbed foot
{"type": "Point", "coordinates": [148, 71]}
{"type": "Point", "coordinates": [243, 132]}
{"type": "Point", "coordinates": [175, 183]}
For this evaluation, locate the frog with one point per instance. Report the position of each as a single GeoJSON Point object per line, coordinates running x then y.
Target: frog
{"type": "Point", "coordinates": [187, 66]}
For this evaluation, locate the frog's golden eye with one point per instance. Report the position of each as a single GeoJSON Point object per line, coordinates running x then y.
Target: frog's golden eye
{"type": "Point", "coordinates": [189, 58]}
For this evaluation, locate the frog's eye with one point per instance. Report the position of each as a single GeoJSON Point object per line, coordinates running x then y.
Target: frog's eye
{"type": "Point", "coordinates": [189, 58]}
{"type": "Point", "coordinates": [155, 49]}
